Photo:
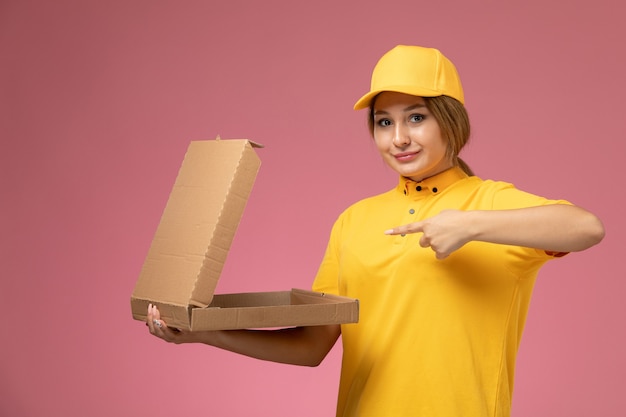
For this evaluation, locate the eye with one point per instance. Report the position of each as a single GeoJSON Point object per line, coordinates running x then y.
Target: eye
{"type": "Point", "coordinates": [416, 118]}
{"type": "Point", "coordinates": [384, 122]}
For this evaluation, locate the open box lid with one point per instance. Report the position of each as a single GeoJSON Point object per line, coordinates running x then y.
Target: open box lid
{"type": "Point", "coordinates": [198, 224]}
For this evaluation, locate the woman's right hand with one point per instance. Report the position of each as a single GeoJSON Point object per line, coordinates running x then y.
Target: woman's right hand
{"type": "Point", "coordinates": [305, 346]}
{"type": "Point", "coordinates": [159, 328]}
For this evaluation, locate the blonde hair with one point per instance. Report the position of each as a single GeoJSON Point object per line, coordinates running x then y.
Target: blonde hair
{"type": "Point", "coordinates": [453, 121]}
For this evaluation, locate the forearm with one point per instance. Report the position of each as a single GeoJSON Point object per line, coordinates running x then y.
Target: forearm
{"type": "Point", "coordinates": [558, 227]}
{"type": "Point", "coordinates": [305, 346]}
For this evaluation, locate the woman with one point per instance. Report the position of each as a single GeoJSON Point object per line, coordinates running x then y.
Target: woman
{"type": "Point", "coordinates": [443, 264]}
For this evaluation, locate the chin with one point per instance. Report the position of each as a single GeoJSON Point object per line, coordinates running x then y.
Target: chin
{"type": "Point", "coordinates": [412, 173]}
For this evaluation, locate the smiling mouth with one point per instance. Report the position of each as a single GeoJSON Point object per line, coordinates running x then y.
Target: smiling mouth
{"type": "Point", "coordinates": [406, 156]}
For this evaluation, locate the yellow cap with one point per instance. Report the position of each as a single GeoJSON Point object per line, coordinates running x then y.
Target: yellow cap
{"type": "Point", "coordinates": [414, 70]}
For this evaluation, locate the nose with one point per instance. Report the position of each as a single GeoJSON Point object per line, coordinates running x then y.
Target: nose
{"type": "Point", "coordinates": [401, 136]}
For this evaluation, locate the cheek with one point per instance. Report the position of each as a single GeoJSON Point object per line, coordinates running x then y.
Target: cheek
{"type": "Point", "coordinates": [436, 140]}
{"type": "Point", "coordinates": [444, 147]}
{"type": "Point", "coordinates": [379, 141]}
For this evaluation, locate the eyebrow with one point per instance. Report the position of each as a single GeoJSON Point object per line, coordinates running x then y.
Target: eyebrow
{"type": "Point", "coordinates": [408, 109]}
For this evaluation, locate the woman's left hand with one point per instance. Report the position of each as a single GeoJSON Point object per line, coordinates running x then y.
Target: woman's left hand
{"type": "Point", "coordinates": [443, 233]}
{"type": "Point", "coordinates": [558, 228]}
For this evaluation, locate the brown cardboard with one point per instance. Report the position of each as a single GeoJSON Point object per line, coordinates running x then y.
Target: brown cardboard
{"type": "Point", "coordinates": [191, 244]}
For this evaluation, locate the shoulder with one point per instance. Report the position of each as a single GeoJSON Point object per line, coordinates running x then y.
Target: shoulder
{"type": "Point", "coordinates": [502, 194]}
{"type": "Point", "coordinates": [475, 182]}
{"type": "Point", "coordinates": [372, 203]}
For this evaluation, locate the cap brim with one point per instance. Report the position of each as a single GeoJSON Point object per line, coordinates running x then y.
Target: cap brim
{"type": "Point", "coordinates": [364, 102]}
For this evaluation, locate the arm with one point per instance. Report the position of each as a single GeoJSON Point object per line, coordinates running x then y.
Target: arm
{"type": "Point", "coordinates": [306, 346]}
{"type": "Point", "coordinates": [556, 227]}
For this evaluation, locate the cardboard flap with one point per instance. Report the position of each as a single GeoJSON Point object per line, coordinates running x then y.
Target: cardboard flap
{"type": "Point", "coordinates": [175, 315]}
{"type": "Point", "coordinates": [199, 222]}
{"type": "Point", "coordinates": [252, 143]}
{"type": "Point", "coordinates": [273, 310]}
{"type": "Point", "coordinates": [256, 145]}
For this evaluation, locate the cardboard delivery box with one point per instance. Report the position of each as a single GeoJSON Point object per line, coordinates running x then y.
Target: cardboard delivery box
{"type": "Point", "coordinates": [191, 244]}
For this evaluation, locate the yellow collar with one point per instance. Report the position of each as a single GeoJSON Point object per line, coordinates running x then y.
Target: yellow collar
{"type": "Point", "coordinates": [432, 185]}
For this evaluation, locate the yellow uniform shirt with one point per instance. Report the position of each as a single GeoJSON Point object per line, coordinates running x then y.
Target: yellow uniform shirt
{"type": "Point", "coordinates": [436, 338]}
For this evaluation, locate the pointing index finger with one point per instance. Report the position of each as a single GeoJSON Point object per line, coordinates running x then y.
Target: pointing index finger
{"type": "Point", "coordinates": [404, 229]}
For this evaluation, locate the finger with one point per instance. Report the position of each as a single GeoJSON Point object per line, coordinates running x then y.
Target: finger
{"type": "Point", "coordinates": [441, 255]}
{"type": "Point", "coordinates": [405, 229]}
{"type": "Point", "coordinates": [424, 241]}
{"type": "Point", "coordinates": [157, 322]}
{"type": "Point", "coordinates": [149, 319]}
{"type": "Point", "coordinates": [154, 322]}
{"type": "Point", "coordinates": [400, 230]}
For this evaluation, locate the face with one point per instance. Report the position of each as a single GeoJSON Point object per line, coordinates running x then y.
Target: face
{"type": "Point", "coordinates": [408, 136]}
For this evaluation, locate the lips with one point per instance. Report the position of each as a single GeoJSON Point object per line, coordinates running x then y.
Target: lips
{"type": "Point", "coordinates": [406, 156]}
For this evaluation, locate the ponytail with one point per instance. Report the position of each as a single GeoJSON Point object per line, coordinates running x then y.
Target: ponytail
{"type": "Point", "coordinates": [463, 165]}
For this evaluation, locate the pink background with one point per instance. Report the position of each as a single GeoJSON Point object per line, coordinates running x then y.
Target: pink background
{"type": "Point", "coordinates": [99, 101]}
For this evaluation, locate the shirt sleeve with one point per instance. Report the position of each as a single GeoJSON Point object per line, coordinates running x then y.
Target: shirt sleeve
{"type": "Point", "coordinates": [508, 197]}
